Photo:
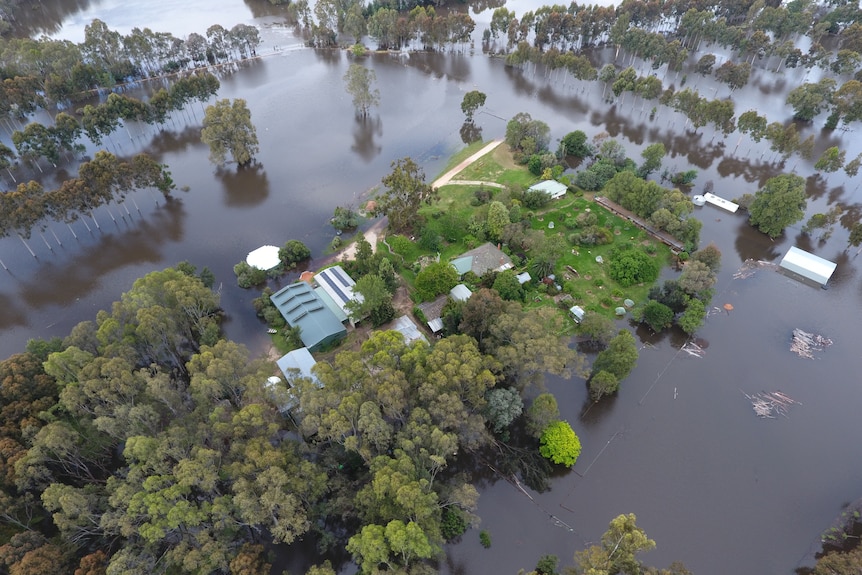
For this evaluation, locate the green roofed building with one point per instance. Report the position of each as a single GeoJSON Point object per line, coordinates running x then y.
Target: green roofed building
{"type": "Point", "coordinates": [301, 307]}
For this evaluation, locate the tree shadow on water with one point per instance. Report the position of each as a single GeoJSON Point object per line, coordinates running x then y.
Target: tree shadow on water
{"type": "Point", "coordinates": [364, 132]}
{"type": "Point", "coordinates": [246, 186]}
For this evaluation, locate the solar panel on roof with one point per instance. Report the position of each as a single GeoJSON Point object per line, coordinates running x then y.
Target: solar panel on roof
{"type": "Point", "coordinates": [334, 287]}
{"type": "Point", "coordinates": [337, 273]}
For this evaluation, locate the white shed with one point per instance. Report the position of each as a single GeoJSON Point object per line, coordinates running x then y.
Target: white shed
{"type": "Point", "coordinates": [808, 265]}
{"type": "Point", "coordinates": [460, 293]}
{"type": "Point", "coordinates": [551, 187]}
{"type": "Point", "coordinates": [577, 313]}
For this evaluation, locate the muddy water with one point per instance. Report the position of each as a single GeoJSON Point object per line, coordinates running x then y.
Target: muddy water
{"type": "Point", "coordinates": [715, 486]}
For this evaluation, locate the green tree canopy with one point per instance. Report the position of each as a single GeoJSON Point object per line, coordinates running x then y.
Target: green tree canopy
{"type": "Point", "coordinates": [435, 279]}
{"type": "Point", "coordinates": [779, 203]}
{"type": "Point", "coordinates": [227, 129]}
{"type": "Point", "coordinates": [405, 193]}
{"type": "Point", "coordinates": [473, 100]}
{"type": "Point", "coordinates": [619, 358]}
{"type": "Point", "coordinates": [560, 444]}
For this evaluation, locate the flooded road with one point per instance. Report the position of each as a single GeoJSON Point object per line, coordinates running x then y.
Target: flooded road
{"type": "Point", "coordinates": [715, 486]}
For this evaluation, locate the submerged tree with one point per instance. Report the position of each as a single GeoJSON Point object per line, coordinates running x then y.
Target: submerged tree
{"type": "Point", "coordinates": [359, 83]}
{"type": "Point", "coordinates": [227, 129]}
{"type": "Point", "coordinates": [780, 203]}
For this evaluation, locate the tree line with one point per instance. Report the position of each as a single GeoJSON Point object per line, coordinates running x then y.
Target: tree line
{"type": "Point", "coordinates": [101, 181]}
{"type": "Point", "coordinates": [62, 71]}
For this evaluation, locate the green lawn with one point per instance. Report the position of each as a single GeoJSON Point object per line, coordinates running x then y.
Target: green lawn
{"type": "Point", "coordinates": [461, 156]}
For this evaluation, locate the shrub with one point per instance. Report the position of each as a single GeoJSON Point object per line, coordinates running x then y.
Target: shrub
{"type": "Point", "coordinates": [606, 301]}
{"type": "Point", "coordinates": [598, 282]}
{"type": "Point", "coordinates": [617, 292]}
{"type": "Point", "coordinates": [482, 196]}
{"type": "Point", "coordinates": [485, 539]}
{"type": "Point", "coordinates": [657, 315]}
{"type": "Point", "coordinates": [293, 252]}
{"type": "Point", "coordinates": [248, 276]}
{"type": "Point", "coordinates": [547, 565]}
{"type": "Point", "coordinates": [453, 524]}
{"type": "Point", "coordinates": [535, 199]}
{"type": "Point", "coordinates": [437, 278]}
{"type": "Point", "coordinates": [336, 243]}
{"type": "Point", "coordinates": [399, 244]}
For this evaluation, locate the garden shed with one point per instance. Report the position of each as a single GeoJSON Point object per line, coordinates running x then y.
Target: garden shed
{"type": "Point", "coordinates": [577, 313]}
{"type": "Point", "coordinates": [808, 265]}
{"type": "Point", "coordinates": [551, 187]}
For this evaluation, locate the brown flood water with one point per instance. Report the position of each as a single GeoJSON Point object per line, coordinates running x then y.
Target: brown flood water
{"type": "Point", "coordinates": [716, 487]}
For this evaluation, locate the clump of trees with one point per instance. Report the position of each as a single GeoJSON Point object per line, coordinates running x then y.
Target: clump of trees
{"type": "Point", "coordinates": [779, 203]}
{"type": "Point", "coordinates": [613, 364]}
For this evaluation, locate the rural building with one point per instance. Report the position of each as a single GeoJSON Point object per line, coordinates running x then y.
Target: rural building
{"type": "Point", "coordinates": [551, 187]}
{"type": "Point", "coordinates": [299, 360]}
{"type": "Point", "coordinates": [808, 265]}
{"type": "Point", "coordinates": [300, 306]}
{"type": "Point", "coordinates": [338, 286]}
{"type": "Point", "coordinates": [406, 327]}
{"type": "Point", "coordinates": [460, 293]}
{"type": "Point", "coordinates": [486, 257]}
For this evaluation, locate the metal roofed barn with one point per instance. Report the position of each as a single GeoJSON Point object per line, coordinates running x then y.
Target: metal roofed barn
{"type": "Point", "coordinates": [808, 265]}
{"type": "Point", "coordinates": [300, 306]}
{"type": "Point", "coordinates": [551, 187]}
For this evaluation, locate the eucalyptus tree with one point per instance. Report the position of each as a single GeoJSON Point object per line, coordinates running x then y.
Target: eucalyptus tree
{"type": "Point", "coordinates": [67, 130]}
{"type": "Point", "coordinates": [809, 99]}
{"type": "Point", "coordinates": [6, 157]}
{"type": "Point", "coordinates": [98, 121]}
{"type": "Point", "coordinates": [360, 84]}
{"type": "Point", "coordinates": [751, 123]}
{"type": "Point", "coordinates": [34, 142]}
{"type": "Point", "coordinates": [245, 39]}
{"type": "Point", "coordinates": [227, 129]}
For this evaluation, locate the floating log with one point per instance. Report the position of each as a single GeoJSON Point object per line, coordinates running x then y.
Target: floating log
{"type": "Point", "coordinates": [750, 267]}
{"type": "Point", "coordinates": [692, 348]}
{"type": "Point", "coordinates": [769, 404]}
{"type": "Point", "coordinates": [804, 344]}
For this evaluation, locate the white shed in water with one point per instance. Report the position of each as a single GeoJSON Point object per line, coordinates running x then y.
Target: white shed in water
{"type": "Point", "coordinates": [808, 265]}
{"type": "Point", "coordinates": [720, 202]}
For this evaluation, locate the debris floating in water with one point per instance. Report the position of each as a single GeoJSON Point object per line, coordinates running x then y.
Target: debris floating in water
{"type": "Point", "coordinates": [804, 344]}
{"type": "Point", "coordinates": [692, 348]}
{"type": "Point", "coordinates": [750, 267]}
{"type": "Point", "coordinates": [728, 307]}
{"type": "Point", "coordinates": [772, 403]}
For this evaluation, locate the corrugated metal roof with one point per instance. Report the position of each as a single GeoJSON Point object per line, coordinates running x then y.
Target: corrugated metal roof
{"type": "Point", "coordinates": [406, 327]}
{"type": "Point", "coordinates": [462, 265]}
{"type": "Point", "coordinates": [299, 359]}
{"type": "Point", "coordinates": [300, 306]}
{"type": "Point", "coordinates": [551, 187]}
{"type": "Point", "coordinates": [460, 293]}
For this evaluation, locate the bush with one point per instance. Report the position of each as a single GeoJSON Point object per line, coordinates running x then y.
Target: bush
{"type": "Point", "coordinates": [399, 244]}
{"type": "Point", "coordinates": [617, 292]}
{"type": "Point", "coordinates": [598, 282]}
{"type": "Point", "coordinates": [482, 196]}
{"type": "Point", "coordinates": [293, 252]}
{"type": "Point", "coordinates": [453, 524]}
{"type": "Point", "coordinates": [536, 199]}
{"type": "Point", "coordinates": [485, 539]}
{"type": "Point", "coordinates": [534, 164]}
{"type": "Point", "coordinates": [336, 243]}
{"type": "Point", "coordinates": [437, 278]}
{"type": "Point", "coordinates": [657, 315]}
{"type": "Point", "coordinates": [547, 565]}
{"type": "Point", "coordinates": [248, 276]}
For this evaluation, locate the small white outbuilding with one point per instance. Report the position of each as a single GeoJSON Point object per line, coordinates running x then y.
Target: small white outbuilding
{"type": "Point", "coordinates": [808, 265]}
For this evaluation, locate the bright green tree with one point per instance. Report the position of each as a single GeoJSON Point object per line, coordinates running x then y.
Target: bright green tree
{"type": "Point", "coordinates": [227, 129]}
{"type": "Point", "coordinates": [560, 444]}
{"type": "Point", "coordinates": [779, 203]}
{"type": "Point", "coordinates": [498, 219]}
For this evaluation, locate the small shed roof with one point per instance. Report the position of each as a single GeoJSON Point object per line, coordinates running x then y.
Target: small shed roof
{"type": "Point", "coordinates": [551, 187]}
{"type": "Point", "coordinates": [408, 328]}
{"type": "Point", "coordinates": [298, 359]}
{"type": "Point", "coordinates": [460, 293]}
{"type": "Point", "coordinates": [435, 325]}
{"type": "Point", "coordinates": [462, 265]}
{"type": "Point", "coordinates": [523, 277]}
{"type": "Point", "coordinates": [808, 265]}
{"type": "Point", "coordinates": [577, 312]}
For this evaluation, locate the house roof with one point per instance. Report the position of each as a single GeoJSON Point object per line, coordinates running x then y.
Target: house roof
{"type": "Point", "coordinates": [808, 265]}
{"type": "Point", "coordinates": [300, 306]}
{"type": "Point", "coordinates": [460, 293]}
{"type": "Point", "coordinates": [408, 328]}
{"type": "Point", "coordinates": [551, 187]}
{"type": "Point", "coordinates": [298, 359]}
{"type": "Point", "coordinates": [485, 258]}
{"type": "Point", "coordinates": [338, 285]}
{"type": "Point", "coordinates": [462, 265]}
